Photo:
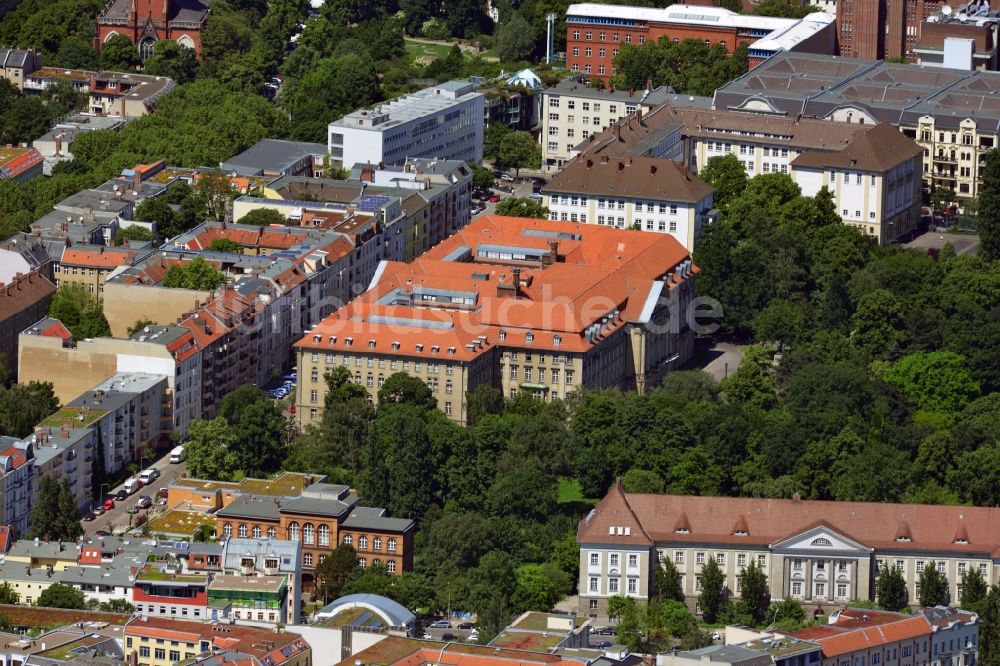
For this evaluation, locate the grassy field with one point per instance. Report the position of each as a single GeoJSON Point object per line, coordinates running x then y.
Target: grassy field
{"type": "Point", "coordinates": [569, 491]}
{"type": "Point", "coordinates": [416, 49]}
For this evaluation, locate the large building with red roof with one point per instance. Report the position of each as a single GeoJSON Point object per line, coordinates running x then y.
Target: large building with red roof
{"type": "Point", "coordinates": [820, 553]}
{"type": "Point", "coordinates": [521, 304]}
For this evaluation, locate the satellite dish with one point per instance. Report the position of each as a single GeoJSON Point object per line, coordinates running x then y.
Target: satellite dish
{"type": "Point", "coordinates": [946, 10]}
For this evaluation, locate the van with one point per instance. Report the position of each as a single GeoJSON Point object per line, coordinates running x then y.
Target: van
{"type": "Point", "coordinates": [132, 485]}
{"type": "Point", "coordinates": [177, 455]}
{"type": "Point", "coordinates": [147, 476]}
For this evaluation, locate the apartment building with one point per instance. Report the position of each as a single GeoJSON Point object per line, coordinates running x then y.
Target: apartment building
{"type": "Point", "coordinates": [572, 112]}
{"type": "Point", "coordinates": [89, 265]}
{"type": "Point", "coordinates": [164, 641]}
{"type": "Point", "coordinates": [441, 122]}
{"type": "Point", "coordinates": [478, 309]}
{"type": "Point", "coordinates": [872, 637]}
{"type": "Point", "coordinates": [595, 32]}
{"type": "Point", "coordinates": [319, 519]}
{"type": "Point", "coordinates": [116, 94]}
{"type": "Point", "coordinates": [15, 64]}
{"type": "Point", "coordinates": [20, 164]}
{"type": "Point", "coordinates": [931, 105]}
{"type": "Point", "coordinates": [17, 484]}
{"type": "Point", "coordinates": [261, 581]}
{"type": "Point", "coordinates": [642, 193]}
{"type": "Point", "coordinates": [820, 553]}
{"type": "Point", "coordinates": [273, 158]}
{"type": "Point", "coordinates": [163, 589]}
{"type": "Point", "coordinates": [23, 300]}
{"type": "Point", "coordinates": [872, 170]}
{"type": "Point", "coordinates": [954, 635]}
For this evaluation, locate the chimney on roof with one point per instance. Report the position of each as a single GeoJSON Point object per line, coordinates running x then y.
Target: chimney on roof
{"type": "Point", "coordinates": [618, 131]}
{"type": "Point", "coordinates": [638, 116]}
{"type": "Point", "coordinates": [621, 165]}
{"type": "Point", "coordinates": [516, 279]}
{"type": "Point", "coordinates": [649, 84]}
{"type": "Point", "coordinates": [137, 180]}
{"type": "Point", "coordinates": [367, 174]}
{"type": "Point", "coordinates": [652, 169]}
{"type": "Point", "coordinates": [590, 163]}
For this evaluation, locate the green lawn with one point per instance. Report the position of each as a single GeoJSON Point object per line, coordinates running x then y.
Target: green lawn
{"type": "Point", "coordinates": [417, 49]}
{"type": "Point", "coordinates": [569, 491]}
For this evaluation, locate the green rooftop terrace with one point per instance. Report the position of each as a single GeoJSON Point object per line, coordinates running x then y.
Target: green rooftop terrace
{"type": "Point", "coordinates": [73, 414]}
{"type": "Point", "coordinates": [156, 575]}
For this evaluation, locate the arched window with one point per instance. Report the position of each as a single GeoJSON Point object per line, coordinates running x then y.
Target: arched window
{"type": "Point", "coordinates": [272, 533]}
{"type": "Point", "coordinates": [391, 566]}
{"type": "Point", "coordinates": [348, 539]}
{"type": "Point", "coordinates": [308, 534]}
{"type": "Point", "coordinates": [293, 531]}
{"type": "Point", "coordinates": [392, 545]}
{"type": "Point", "coordinates": [256, 531]}
{"type": "Point", "coordinates": [362, 562]}
{"type": "Point", "coordinates": [227, 529]}
{"type": "Point", "coordinates": [363, 543]}
{"type": "Point", "coordinates": [377, 543]}
{"type": "Point", "coordinates": [243, 531]}
{"type": "Point", "coordinates": [324, 535]}
{"type": "Point", "coordinates": [307, 559]}
{"type": "Point", "coordinates": [146, 47]}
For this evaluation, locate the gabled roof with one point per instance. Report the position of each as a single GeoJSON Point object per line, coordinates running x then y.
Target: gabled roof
{"type": "Point", "coordinates": [629, 177]}
{"type": "Point", "coordinates": [613, 521]}
{"type": "Point", "coordinates": [856, 629]}
{"type": "Point", "coordinates": [878, 149]}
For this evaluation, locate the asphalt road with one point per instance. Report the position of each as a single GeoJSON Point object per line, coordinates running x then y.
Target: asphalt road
{"type": "Point", "coordinates": [117, 520]}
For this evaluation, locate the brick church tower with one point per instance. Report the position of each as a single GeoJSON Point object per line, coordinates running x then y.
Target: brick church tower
{"type": "Point", "coordinates": [145, 22]}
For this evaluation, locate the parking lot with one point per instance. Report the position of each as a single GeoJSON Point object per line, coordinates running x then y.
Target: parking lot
{"type": "Point", "coordinates": [521, 187]}
{"type": "Point", "coordinates": [118, 520]}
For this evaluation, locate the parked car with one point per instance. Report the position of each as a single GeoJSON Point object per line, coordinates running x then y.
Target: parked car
{"type": "Point", "coordinates": [495, 198]}
{"type": "Point", "coordinates": [441, 624]}
{"type": "Point", "coordinates": [473, 636]}
{"type": "Point", "coordinates": [466, 625]}
{"type": "Point", "coordinates": [447, 637]}
{"type": "Point", "coordinates": [97, 511]}
{"type": "Point", "coordinates": [145, 501]}
{"type": "Point", "coordinates": [102, 533]}
{"type": "Point", "coordinates": [121, 495]}
{"type": "Point", "coordinates": [133, 509]}
{"type": "Point", "coordinates": [147, 476]}
{"type": "Point", "coordinates": [601, 644]}
{"type": "Point", "coordinates": [607, 631]}
{"type": "Point", "coordinates": [164, 492]}
{"type": "Point", "coordinates": [110, 503]}
{"type": "Point", "coordinates": [507, 177]}
{"type": "Point", "coordinates": [89, 516]}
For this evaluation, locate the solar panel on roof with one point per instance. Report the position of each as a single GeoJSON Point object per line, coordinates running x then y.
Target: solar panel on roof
{"type": "Point", "coordinates": [369, 203]}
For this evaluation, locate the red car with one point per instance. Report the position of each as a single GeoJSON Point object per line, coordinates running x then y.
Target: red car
{"type": "Point", "coordinates": [109, 504]}
{"type": "Point", "coordinates": [494, 199]}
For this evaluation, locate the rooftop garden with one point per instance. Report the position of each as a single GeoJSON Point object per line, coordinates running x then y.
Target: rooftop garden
{"type": "Point", "coordinates": [73, 415]}
{"type": "Point", "coordinates": [180, 523]}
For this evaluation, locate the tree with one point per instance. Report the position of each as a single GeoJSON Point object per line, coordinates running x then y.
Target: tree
{"type": "Point", "coordinates": [783, 9]}
{"type": "Point", "coordinates": [937, 381]}
{"type": "Point", "coordinates": [974, 588]}
{"type": "Point", "coordinates": [119, 54]}
{"type": "Point", "coordinates": [521, 207]}
{"type": "Point", "coordinates": [989, 628]}
{"type": "Point", "coordinates": [263, 217]}
{"type": "Point", "coordinates": [117, 606]}
{"type": "Point", "coordinates": [333, 571]}
{"type": "Point", "coordinates": [259, 426]}
{"type": "Point", "coordinates": [941, 197]}
{"type": "Point", "coordinates": [976, 478]}
{"type": "Point", "coordinates": [58, 595]}
{"type": "Point", "coordinates": [224, 245]}
{"type": "Point", "coordinates": [878, 324]}
{"type": "Point", "coordinates": [713, 591]}
{"type": "Point", "coordinates": [482, 178]}
{"type": "Point", "coordinates": [8, 596]}
{"type": "Point", "coordinates": [727, 175]}
{"type": "Point", "coordinates": [195, 274]}
{"type": "Point", "coordinates": [55, 515]}
{"type": "Point", "coordinates": [539, 587]}
{"type": "Point", "coordinates": [890, 589]}
{"type": "Point", "coordinates": [132, 233]}
{"type": "Point", "coordinates": [988, 223]}
{"type": "Point", "coordinates": [493, 136]}
{"type": "Point", "coordinates": [643, 481]}
{"type": "Point", "coordinates": [401, 388]}
{"type": "Point", "coordinates": [22, 406]}
{"type": "Point", "coordinates": [79, 311]}
{"type": "Point", "coordinates": [483, 400]}
{"type": "Point", "coordinates": [173, 60]}
{"type": "Point", "coordinates": [520, 151]}
{"type": "Point", "coordinates": [933, 586]}
{"type": "Point", "coordinates": [669, 581]}
{"type": "Point", "coordinates": [515, 39]}
{"type": "Point", "coordinates": [788, 615]}
{"type": "Point", "coordinates": [780, 322]}
{"type": "Point", "coordinates": [152, 209]}
{"type": "Point", "coordinates": [211, 450]}
{"type": "Point", "coordinates": [754, 591]}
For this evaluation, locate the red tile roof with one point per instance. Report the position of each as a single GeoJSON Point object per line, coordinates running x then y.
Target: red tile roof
{"type": "Point", "coordinates": [595, 272]}
{"type": "Point", "coordinates": [713, 520]}
{"type": "Point", "coordinates": [103, 257]}
{"type": "Point", "coordinates": [259, 643]}
{"type": "Point", "coordinates": [5, 538]}
{"type": "Point", "coordinates": [857, 630]}
{"type": "Point", "coordinates": [56, 330]}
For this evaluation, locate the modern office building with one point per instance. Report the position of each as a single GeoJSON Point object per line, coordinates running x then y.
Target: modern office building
{"type": "Point", "coordinates": [519, 304]}
{"type": "Point", "coordinates": [441, 122]}
{"type": "Point", "coordinates": [595, 32]}
{"type": "Point", "coordinates": [819, 553]}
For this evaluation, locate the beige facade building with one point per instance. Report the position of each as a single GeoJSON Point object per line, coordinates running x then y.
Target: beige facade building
{"type": "Point", "coordinates": [523, 305]}
{"type": "Point", "coordinates": [89, 265]}
{"type": "Point", "coordinates": [822, 554]}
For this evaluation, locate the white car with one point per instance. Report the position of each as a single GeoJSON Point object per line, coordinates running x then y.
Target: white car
{"type": "Point", "coordinates": [506, 176]}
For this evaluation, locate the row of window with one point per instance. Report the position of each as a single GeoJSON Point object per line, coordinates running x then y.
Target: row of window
{"type": "Point", "coordinates": [601, 53]}
{"type": "Point", "coordinates": [394, 364]}
{"type": "Point", "coordinates": [554, 103]}
{"type": "Point", "coordinates": [376, 543]}
{"type": "Point", "coordinates": [941, 566]}
{"type": "Point", "coordinates": [590, 70]}
{"type": "Point", "coordinates": [529, 374]}
{"type": "Point", "coordinates": [603, 37]}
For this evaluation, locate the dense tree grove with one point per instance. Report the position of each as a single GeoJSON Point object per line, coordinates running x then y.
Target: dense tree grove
{"type": "Point", "coordinates": [689, 67]}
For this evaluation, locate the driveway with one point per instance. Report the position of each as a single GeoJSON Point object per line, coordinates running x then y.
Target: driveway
{"type": "Point", "coordinates": [963, 243]}
{"type": "Point", "coordinates": [117, 520]}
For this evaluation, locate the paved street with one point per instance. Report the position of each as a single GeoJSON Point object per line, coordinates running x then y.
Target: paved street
{"type": "Point", "coordinates": [118, 520]}
{"type": "Point", "coordinates": [722, 359]}
{"type": "Point", "coordinates": [963, 243]}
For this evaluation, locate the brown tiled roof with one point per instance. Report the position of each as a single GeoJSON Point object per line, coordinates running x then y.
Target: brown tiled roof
{"type": "Point", "coordinates": [23, 292]}
{"type": "Point", "coordinates": [256, 642]}
{"type": "Point", "coordinates": [645, 177]}
{"type": "Point", "coordinates": [710, 520]}
{"type": "Point", "coordinates": [879, 148]}
{"type": "Point", "coordinates": [859, 630]}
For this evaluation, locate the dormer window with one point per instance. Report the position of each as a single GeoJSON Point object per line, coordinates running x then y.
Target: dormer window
{"type": "Point", "coordinates": [451, 351]}
{"type": "Point", "coordinates": [529, 337]}
{"type": "Point", "coordinates": [740, 533]}
{"type": "Point", "coordinates": [682, 530]}
{"type": "Point", "coordinates": [435, 349]}
{"type": "Point", "coordinates": [395, 345]}
{"type": "Point", "coordinates": [371, 344]}
{"type": "Point", "coordinates": [317, 338]}
{"type": "Point", "coordinates": [348, 342]}
{"type": "Point", "coordinates": [903, 539]}
{"type": "Point", "coordinates": [420, 347]}
{"type": "Point", "coordinates": [503, 335]}
{"type": "Point", "coordinates": [821, 541]}
{"type": "Point", "coordinates": [332, 339]}
{"type": "Point", "coordinates": [961, 540]}
{"type": "Point", "coordinates": [556, 340]}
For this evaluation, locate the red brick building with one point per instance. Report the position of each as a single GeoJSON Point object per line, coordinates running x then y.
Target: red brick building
{"type": "Point", "coordinates": [595, 33]}
{"type": "Point", "coordinates": [145, 22]}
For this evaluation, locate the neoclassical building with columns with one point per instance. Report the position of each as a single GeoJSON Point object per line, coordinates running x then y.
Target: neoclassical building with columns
{"type": "Point", "coordinates": [820, 553]}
